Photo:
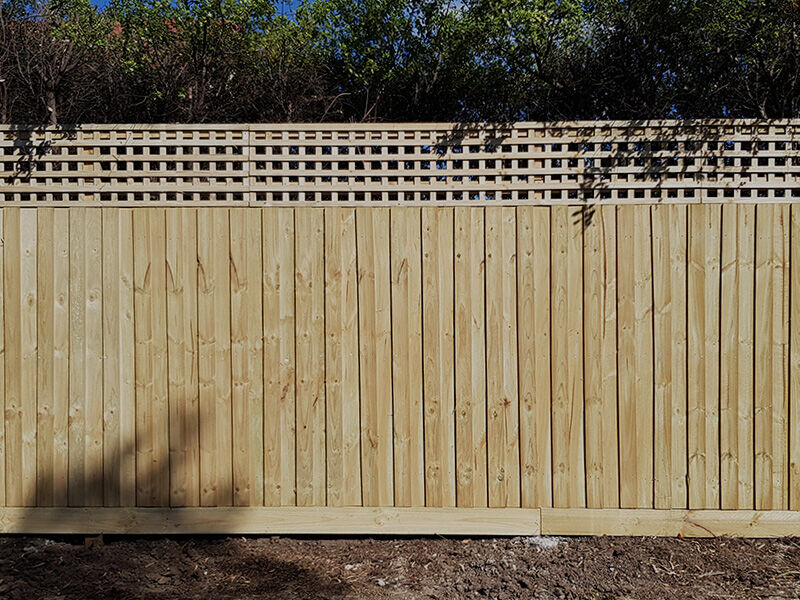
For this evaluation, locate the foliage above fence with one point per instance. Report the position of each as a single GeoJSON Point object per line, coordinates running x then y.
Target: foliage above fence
{"type": "Point", "coordinates": [507, 163]}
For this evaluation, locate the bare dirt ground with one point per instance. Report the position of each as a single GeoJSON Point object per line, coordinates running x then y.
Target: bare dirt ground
{"type": "Point", "coordinates": [409, 568]}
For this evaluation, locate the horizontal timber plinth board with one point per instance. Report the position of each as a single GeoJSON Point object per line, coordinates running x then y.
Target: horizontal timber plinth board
{"type": "Point", "coordinates": [670, 523]}
{"type": "Point", "coordinates": [290, 520]}
{"type": "Point", "coordinates": [272, 520]}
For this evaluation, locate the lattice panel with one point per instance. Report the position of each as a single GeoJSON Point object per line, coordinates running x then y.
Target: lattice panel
{"type": "Point", "coordinates": [562, 163]}
{"type": "Point", "coordinates": [125, 164]}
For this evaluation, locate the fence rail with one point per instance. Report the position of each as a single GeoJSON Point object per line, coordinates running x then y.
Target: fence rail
{"type": "Point", "coordinates": [572, 365]}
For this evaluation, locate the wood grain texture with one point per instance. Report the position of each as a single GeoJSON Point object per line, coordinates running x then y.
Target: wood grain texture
{"type": "Point", "coordinates": [53, 369]}
{"type": "Point", "coordinates": [310, 356]}
{"type": "Point", "coordinates": [119, 347]}
{"type": "Point", "coordinates": [794, 366]}
{"type": "Point", "coordinates": [600, 357]}
{"type": "Point", "coordinates": [669, 343]}
{"type": "Point", "coordinates": [247, 360]}
{"type": "Point", "coordinates": [438, 352]}
{"type": "Point", "coordinates": [381, 357]}
{"type": "Point", "coordinates": [502, 395]}
{"type": "Point", "coordinates": [375, 348]}
{"type": "Point", "coordinates": [771, 357]}
{"type": "Point", "coordinates": [182, 345]}
{"type": "Point", "coordinates": [470, 349]}
{"type": "Point", "coordinates": [670, 523]}
{"type": "Point", "coordinates": [737, 358]}
{"type": "Point", "coordinates": [20, 302]}
{"type": "Point", "coordinates": [150, 332]}
{"type": "Point", "coordinates": [406, 259]}
{"type": "Point", "coordinates": [533, 322]}
{"type": "Point", "coordinates": [703, 352]}
{"type": "Point", "coordinates": [342, 407]}
{"type": "Point", "coordinates": [275, 521]}
{"type": "Point", "coordinates": [569, 470]}
{"type": "Point", "coordinates": [635, 360]}
{"type": "Point", "coordinates": [86, 358]}
{"type": "Point", "coordinates": [279, 353]}
{"type": "Point", "coordinates": [214, 359]}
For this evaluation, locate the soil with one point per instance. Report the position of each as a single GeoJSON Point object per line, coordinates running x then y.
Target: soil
{"type": "Point", "coordinates": [409, 568]}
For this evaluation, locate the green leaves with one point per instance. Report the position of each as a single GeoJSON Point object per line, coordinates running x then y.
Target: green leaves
{"type": "Point", "coordinates": [222, 60]}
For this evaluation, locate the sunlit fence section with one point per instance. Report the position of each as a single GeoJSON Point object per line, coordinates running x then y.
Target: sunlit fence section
{"type": "Point", "coordinates": [350, 326]}
{"type": "Point", "coordinates": [504, 163]}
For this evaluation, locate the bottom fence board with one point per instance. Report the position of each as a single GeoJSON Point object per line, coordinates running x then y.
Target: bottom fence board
{"type": "Point", "coordinates": [272, 520]}
{"type": "Point", "coordinates": [401, 521]}
{"type": "Point", "coordinates": [670, 523]}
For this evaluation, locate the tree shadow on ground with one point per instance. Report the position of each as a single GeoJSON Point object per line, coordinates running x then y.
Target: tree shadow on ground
{"type": "Point", "coordinates": [136, 568]}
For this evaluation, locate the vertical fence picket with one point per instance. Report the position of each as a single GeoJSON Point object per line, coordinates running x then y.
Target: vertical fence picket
{"type": "Point", "coordinates": [183, 357]}
{"type": "Point", "coordinates": [375, 348]}
{"type": "Point", "coordinates": [533, 304]}
{"type": "Point", "coordinates": [342, 396]}
{"type": "Point", "coordinates": [600, 357]}
{"type": "Point", "coordinates": [569, 487]}
{"type": "Point", "coordinates": [669, 346]}
{"type": "Point", "coordinates": [406, 265]}
{"type": "Point", "coordinates": [438, 351]}
{"type": "Point", "coordinates": [470, 350]}
{"type": "Point", "coordinates": [310, 356]}
{"type": "Point", "coordinates": [501, 357]}
{"type": "Point", "coordinates": [119, 347]}
{"type": "Point", "coordinates": [771, 357]}
{"type": "Point", "coordinates": [736, 349]}
{"type": "Point", "coordinates": [635, 361]}
{"type": "Point", "coordinates": [150, 331]}
{"type": "Point", "coordinates": [279, 356]}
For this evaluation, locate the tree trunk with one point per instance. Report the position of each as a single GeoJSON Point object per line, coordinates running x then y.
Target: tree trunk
{"type": "Point", "coordinates": [51, 106]}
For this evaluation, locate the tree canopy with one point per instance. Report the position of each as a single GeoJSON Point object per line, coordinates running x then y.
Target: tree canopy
{"type": "Point", "coordinates": [66, 61]}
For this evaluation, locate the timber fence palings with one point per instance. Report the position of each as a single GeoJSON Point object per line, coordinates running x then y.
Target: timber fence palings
{"type": "Point", "coordinates": [577, 327]}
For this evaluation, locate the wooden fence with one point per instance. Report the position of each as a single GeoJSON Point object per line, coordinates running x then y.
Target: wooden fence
{"type": "Point", "coordinates": [220, 333]}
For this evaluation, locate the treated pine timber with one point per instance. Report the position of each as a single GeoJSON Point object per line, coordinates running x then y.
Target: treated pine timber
{"type": "Point", "coordinates": [502, 396]}
{"type": "Point", "coordinates": [794, 367]}
{"type": "Point", "coordinates": [771, 358]}
{"type": "Point", "coordinates": [272, 520]}
{"type": "Point", "coordinates": [310, 356]}
{"type": "Point", "coordinates": [182, 344]}
{"type": "Point", "coordinates": [600, 357]}
{"type": "Point", "coordinates": [669, 349]}
{"type": "Point", "coordinates": [470, 347]}
{"type": "Point", "coordinates": [569, 486]}
{"type": "Point", "coordinates": [375, 345]}
{"type": "Point", "coordinates": [86, 358]}
{"type": "Point", "coordinates": [635, 359]}
{"type": "Point", "coordinates": [703, 309]}
{"type": "Point", "coordinates": [53, 369]}
{"type": "Point", "coordinates": [119, 347]}
{"type": "Point", "coordinates": [736, 368]}
{"type": "Point", "coordinates": [342, 406]}
{"type": "Point", "coordinates": [533, 305]}
{"type": "Point", "coordinates": [279, 353]}
{"type": "Point", "coordinates": [438, 355]}
{"type": "Point", "coordinates": [150, 332]}
{"type": "Point", "coordinates": [214, 366]}
{"type": "Point", "coordinates": [406, 258]}
{"type": "Point", "coordinates": [20, 301]}
{"type": "Point", "coordinates": [671, 523]}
